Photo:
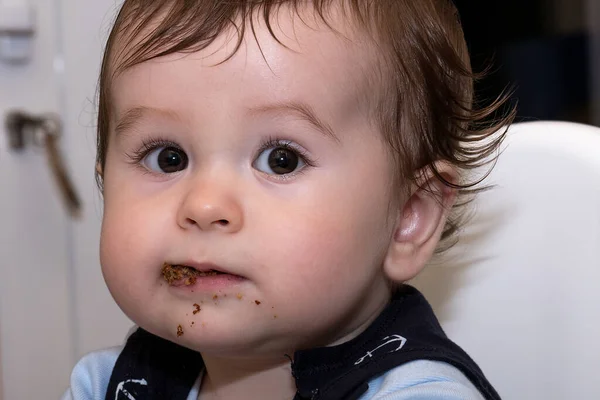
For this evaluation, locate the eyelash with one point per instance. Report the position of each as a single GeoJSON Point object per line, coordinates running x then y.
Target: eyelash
{"type": "Point", "coordinates": [149, 145]}
{"type": "Point", "coordinates": [273, 142]}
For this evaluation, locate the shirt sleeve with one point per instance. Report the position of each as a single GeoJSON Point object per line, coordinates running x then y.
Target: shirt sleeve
{"type": "Point", "coordinates": [422, 380]}
{"type": "Point", "coordinates": [90, 377]}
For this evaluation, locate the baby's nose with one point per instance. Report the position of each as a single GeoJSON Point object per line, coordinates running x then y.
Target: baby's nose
{"type": "Point", "coordinates": [211, 207]}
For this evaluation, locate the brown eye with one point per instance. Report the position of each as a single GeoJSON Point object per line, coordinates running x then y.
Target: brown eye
{"type": "Point", "coordinates": [279, 161]}
{"type": "Point", "coordinates": [166, 160]}
{"type": "Point", "coordinates": [283, 161]}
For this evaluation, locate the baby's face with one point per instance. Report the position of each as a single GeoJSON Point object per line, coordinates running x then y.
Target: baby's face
{"type": "Point", "coordinates": [268, 170]}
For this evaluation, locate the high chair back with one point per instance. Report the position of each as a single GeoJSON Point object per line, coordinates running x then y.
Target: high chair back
{"type": "Point", "coordinates": [521, 291]}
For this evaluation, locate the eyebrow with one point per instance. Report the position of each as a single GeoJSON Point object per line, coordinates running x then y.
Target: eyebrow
{"type": "Point", "coordinates": [302, 110]}
{"type": "Point", "coordinates": [305, 112]}
{"type": "Point", "coordinates": [134, 115]}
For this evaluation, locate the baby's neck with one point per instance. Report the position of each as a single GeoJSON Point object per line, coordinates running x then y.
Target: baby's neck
{"type": "Point", "coordinates": [236, 379]}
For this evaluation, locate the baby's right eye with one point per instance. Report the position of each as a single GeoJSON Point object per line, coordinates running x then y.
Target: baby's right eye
{"type": "Point", "coordinates": [165, 160]}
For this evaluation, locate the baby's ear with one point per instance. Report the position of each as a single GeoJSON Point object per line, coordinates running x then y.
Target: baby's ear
{"type": "Point", "coordinates": [420, 224]}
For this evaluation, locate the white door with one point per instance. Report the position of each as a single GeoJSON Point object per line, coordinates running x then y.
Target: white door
{"type": "Point", "coordinates": [54, 306]}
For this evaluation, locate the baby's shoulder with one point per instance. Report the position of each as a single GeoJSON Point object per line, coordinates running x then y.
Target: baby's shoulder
{"type": "Point", "coordinates": [90, 377]}
{"type": "Point", "coordinates": [422, 380]}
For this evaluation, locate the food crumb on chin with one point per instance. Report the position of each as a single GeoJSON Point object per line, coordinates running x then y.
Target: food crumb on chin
{"type": "Point", "coordinates": [239, 296]}
{"type": "Point", "coordinates": [179, 331]}
{"type": "Point", "coordinates": [257, 302]}
{"type": "Point", "coordinates": [215, 297]}
{"type": "Point", "coordinates": [196, 309]}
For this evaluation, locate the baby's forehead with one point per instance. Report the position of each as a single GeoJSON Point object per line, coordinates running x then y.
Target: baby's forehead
{"type": "Point", "coordinates": [297, 50]}
{"type": "Point", "coordinates": [333, 32]}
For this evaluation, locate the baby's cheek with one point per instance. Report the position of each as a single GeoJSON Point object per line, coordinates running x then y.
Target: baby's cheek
{"type": "Point", "coordinates": [123, 269]}
{"type": "Point", "coordinates": [323, 256]}
{"type": "Point", "coordinates": [112, 260]}
{"type": "Point", "coordinates": [124, 253]}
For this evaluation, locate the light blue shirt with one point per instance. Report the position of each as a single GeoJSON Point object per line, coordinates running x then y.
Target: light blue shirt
{"type": "Point", "coordinates": [416, 380]}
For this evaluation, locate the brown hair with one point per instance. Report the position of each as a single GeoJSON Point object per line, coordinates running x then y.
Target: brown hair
{"type": "Point", "coordinates": [425, 110]}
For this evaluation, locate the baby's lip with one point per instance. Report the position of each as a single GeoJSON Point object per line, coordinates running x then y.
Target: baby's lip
{"type": "Point", "coordinates": [203, 267]}
{"type": "Point", "coordinates": [207, 267]}
{"type": "Point", "coordinates": [190, 274]}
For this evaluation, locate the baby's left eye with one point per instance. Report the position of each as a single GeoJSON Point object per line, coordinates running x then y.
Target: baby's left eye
{"type": "Point", "coordinates": [279, 160]}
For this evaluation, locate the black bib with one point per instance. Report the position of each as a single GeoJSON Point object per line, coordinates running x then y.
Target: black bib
{"type": "Point", "coordinates": [151, 368]}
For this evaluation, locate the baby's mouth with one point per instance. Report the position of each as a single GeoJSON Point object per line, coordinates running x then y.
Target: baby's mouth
{"type": "Point", "coordinates": [182, 275]}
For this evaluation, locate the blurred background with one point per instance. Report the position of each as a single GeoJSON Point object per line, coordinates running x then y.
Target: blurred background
{"type": "Point", "coordinates": [543, 49]}
{"type": "Point", "coordinates": [54, 305]}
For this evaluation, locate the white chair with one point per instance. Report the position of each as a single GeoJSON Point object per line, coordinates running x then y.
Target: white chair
{"type": "Point", "coordinates": [521, 291]}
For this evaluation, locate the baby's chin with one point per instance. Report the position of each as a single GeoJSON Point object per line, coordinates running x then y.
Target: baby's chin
{"type": "Point", "coordinates": [225, 336]}
{"type": "Point", "coordinates": [243, 344]}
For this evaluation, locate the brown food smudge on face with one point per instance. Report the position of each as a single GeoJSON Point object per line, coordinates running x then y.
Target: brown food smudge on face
{"type": "Point", "coordinates": [190, 281]}
{"type": "Point", "coordinates": [179, 331]}
{"type": "Point", "coordinates": [177, 273]}
{"type": "Point", "coordinates": [196, 309]}
{"type": "Point", "coordinates": [239, 296]}
{"type": "Point", "coordinates": [182, 274]}
{"type": "Point", "coordinates": [257, 302]}
{"type": "Point", "coordinates": [215, 297]}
